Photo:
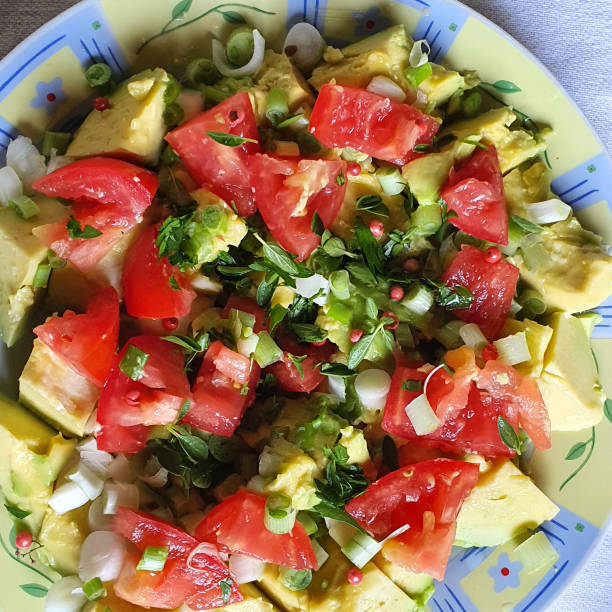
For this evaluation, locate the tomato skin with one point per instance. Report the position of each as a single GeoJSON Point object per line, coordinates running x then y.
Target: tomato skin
{"type": "Point", "coordinates": [427, 496]}
{"type": "Point", "coordinates": [218, 404]}
{"type": "Point", "coordinates": [476, 193]}
{"type": "Point", "coordinates": [492, 285]}
{"type": "Point", "coordinates": [197, 586]}
{"type": "Point", "coordinates": [86, 341]}
{"type": "Point", "coordinates": [394, 416]}
{"type": "Point", "coordinates": [286, 372]}
{"type": "Point", "coordinates": [237, 525]}
{"type": "Point", "coordinates": [220, 168]}
{"type": "Point", "coordinates": [350, 117]}
{"type": "Point", "coordinates": [128, 408]}
{"type": "Point", "coordinates": [146, 282]}
{"type": "Point", "coordinates": [246, 304]}
{"type": "Point", "coordinates": [109, 194]}
{"type": "Point", "coordinates": [281, 184]}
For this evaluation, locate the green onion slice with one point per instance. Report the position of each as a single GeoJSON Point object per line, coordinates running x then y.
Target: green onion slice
{"type": "Point", "coordinates": [41, 276]}
{"type": "Point", "coordinates": [153, 559]}
{"type": "Point", "coordinates": [240, 46]}
{"type": "Point", "coordinates": [361, 548]}
{"type": "Point", "coordinates": [94, 589]}
{"type": "Point", "coordinates": [24, 207]}
{"type": "Point", "coordinates": [98, 74]}
{"type": "Point", "coordinates": [267, 351]}
{"type": "Point", "coordinates": [279, 516]}
{"type": "Point", "coordinates": [295, 580]}
{"type": "Point", "coordinates": [277, 106]}
{"type": "Point", "coordinates": [202, 71]}
{"type": "Point", "coordinates": [55, 140]}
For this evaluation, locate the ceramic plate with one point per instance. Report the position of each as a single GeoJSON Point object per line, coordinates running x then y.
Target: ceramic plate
{"type": "Point", "coordinates": [42, 85]}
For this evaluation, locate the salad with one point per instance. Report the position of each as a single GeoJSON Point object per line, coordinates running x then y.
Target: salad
{"type": "Point", "coordinates": [304, 315]}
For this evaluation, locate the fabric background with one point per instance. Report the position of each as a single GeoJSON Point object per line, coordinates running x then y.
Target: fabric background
{"type": "Point", "coordinates": [573, 38]}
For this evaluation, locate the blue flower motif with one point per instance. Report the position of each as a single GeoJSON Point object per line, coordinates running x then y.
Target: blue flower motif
{"type": "Point", "coordinates": [370, 22]}
{"type": "Point", "coordinates": [505, 574]}
{"type": "Point", "coordinates": [49, 95]}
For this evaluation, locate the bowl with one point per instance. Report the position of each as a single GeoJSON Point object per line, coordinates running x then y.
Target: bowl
{"type": "Point", "coordinates": [42, 85]}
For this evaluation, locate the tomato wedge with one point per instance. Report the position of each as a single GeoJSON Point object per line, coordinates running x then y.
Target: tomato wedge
{"type": "Point", "coordinates": [288, 194]}
{"type": "Point", "coordinates": [237, 525]}
{"type": "Point", "coordinates": [86, 341]}
{"type": "Point", "coordinates": [109, 195]}
{"type": "Point", "coordinates": [221, 168]}
{"type": "Point", "coordinates": [476, 193]}
{"type": "Point", "coordinates": [152, 288]}
{"type": "Point", "coordinates": [372, 124]}
{"type": "Point", "coordinates": [427, 496]}
{"type": "Point", "coordinates": [155, 399]}
{"type": "Point", "coordinates": [195, 581]}
{"type": "Point", "coordinates": [219, 398]}
{"type": "Point", "coordinates": [492, 285]}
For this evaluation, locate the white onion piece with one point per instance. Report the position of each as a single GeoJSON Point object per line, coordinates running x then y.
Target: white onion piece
{"type": "Point", "coordinates": [191, 102]}
{"type": "Point", "coordinates": [57, 161]}
{"type": "Point", "coordinates": [98, 521]}
{"type": "Point", "coordinates": [337, 387]}
{"type": "Point", "coordinates": [205, 285]}
{"type": "Point", "coordinates": [97, 462]}
{"type": "Point", "coordinates": [120, 494]}
{"type": "Point", "coordinates": [203, 548]}
{"type": "Point", "coordinates": [219, 57]}
{"type": "Point", "coordinates": [307, 287]}
{"type": "Point", "coordinates": [269, 462]}
{"type": "Point", "coordinates": [245, 568]}
{"type": "Point", "coordinates": [340, 532]}
{"type": "Point", "coordinates": [90, 444]}
{"type": "Point", "coordinates": [23, 157]}
{"type": "Point", "coordinates": [61, 596]}
{"type": "Point", "coordinates": [384, 86]}
{"type": "Point", "coordinates": [88, 480]}
{"type": "Point", "coordinates": [419, 54]}
{"type": "Point", "coordinates": [320, 553]}
{"type": "Point", "coordinates": [548, 211]}
{"type": "Point", "coordinates": [67, 497]}
{"type": "Point", "coordinates": [372, 387]}
{"type": "Point", "coordinates": [472, 335]}
{"type": "Point", "coordinates": [397, 532]}
{"type": "Point", "coordinates": [121, 469]}
{"type": "Point", "coordinates": [10, 185]}
{"type": "Point", "coordinates": [513, 349]}
{"type": "Point", "coordinates": [309, 46]}
{"type": "Point", "coordinates": [256, 484]}
{"type": "Point", "coordinates": [155, 475]}
{"type": "Point", "coordinates": [102, 555]}
{"type": "Point", "coordinates": [247, 346]}
{"type": "Point", "coordinates": [421, 416]}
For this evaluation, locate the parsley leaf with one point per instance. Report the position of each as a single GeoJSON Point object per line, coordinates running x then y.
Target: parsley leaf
{"type": "Point", "coordinates": [133, 362]}
{"type": "Point", "coordinates": [457, 298]}
{"type": "Point", "coordinates": [75, 231]}
{"type": "Point", "coordinates": [527, 226]}
{"type": "Point", "coordinates": [307, 332]}
{"type": "Point", "coordinates": [373, 204]}
{"type": "Point", "coordinates": [340, 180]}
{"type": "Point", "coordinates": [297, 362]}
{"type": "Point", "coordinates": [192, 347]}
{"type": "Point", "coordinates": [361, 274]}
{"type": "Point", "coordinates": [508, 435]}
{"type": "Point", "coordinates": [283, 263]}
{"type": "Point", "coordinates": [174, 283]}
{"type": "Point", "coordinates": [360, 349]}
{"type": "Point", "coordinates": [173, 232]}
{"type": "Point", "coordinates": [372, 251]}
{"type": "Point", "coordinates": [226, 589]}
{"type": "Point", "coordinates": [276, 316]}
{"type": "Point", "coordinates": [229, 140]}
{"type": "Point", "coordinates": [336, 369]}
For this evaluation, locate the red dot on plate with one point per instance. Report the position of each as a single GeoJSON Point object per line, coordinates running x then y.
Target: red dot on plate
{"type": "Point", "coordinates": [505, 571]}
{"type": "Point", "coordinates": [369, 24]}
{"type": "Point", "coordinates": [51, 97]}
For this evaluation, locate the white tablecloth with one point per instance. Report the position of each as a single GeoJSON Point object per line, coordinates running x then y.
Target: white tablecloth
{"type": "Point", "coordinates": [574, 39]}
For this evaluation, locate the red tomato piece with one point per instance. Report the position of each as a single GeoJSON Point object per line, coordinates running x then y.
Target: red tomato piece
{"type": "Point", "coordinates": [476, 193]}
{"type": "Point", "coordinates": [237, 525]}
{"type": "Point", "coordinates": [218, 401]}
{"type": "Point", "coordinates": [394, 416]}
{"type": "Point", "coordinates": [220, 168]}
{"type": "Point", "coordinates": [235, 366]}
{"type": "Point", "coordinates": [134, 406]}
{"type": "Point", "coordinates": [109, 195]}
{"type": "Point", "coordinates": [427, 496]}
{"type": "Point", "coordinates": [197, 584]}
{"type": "Point", "coordinates": [287, 373]}
{"type": "Point", "coordinates": [375, 125]}
{"type": "Point", "coordinates": [492, 285]}
{"type": "Point", "coordinates": [289, 192]}
{"type": "Point", "coordinates": [86, 341]}
{"type": "Point", "coordinates": [147, 292]}
{"type": "Point", "coordinates": [245, 304]}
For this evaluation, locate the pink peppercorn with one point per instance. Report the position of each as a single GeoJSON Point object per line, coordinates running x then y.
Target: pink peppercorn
{"type": "Point", "coordinates": [396, 293]}
{"type": "Point", "coordinates": [377, 228]}
{"type": "Point", "coordinates": [492, 255]}
{"type": "Point", "coordinates": [356, 335]}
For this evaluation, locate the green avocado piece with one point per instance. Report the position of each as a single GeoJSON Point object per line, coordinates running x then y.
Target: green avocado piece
{"type": "Point", "coordinates": [50, 387]}
{"type": "Point", "coordinates": [21, 254]}
{"type": "Point", "coordinates": [441, 85]}
{"type": "Point", "coordinates": [31, 457]}
{"type": "Point", "coordinates": [420, 587]}
{"type": "Point", "coordinates": [524, 187]}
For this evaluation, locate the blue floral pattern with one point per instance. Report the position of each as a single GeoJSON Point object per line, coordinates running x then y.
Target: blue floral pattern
{"type": "Point", "coordinates": [506, 574]}
{"type": "Point", "coordinates": [49, 95]}
{"type": "Point", "coordinates": [370, 22]}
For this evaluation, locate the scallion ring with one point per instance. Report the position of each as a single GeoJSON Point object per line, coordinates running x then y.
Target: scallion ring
{"type": "Point", "coordinates": [279, 517]}
{"type": "Point", "coordinates": [98, 75]}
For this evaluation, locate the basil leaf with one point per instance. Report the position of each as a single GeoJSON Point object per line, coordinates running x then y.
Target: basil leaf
{"type": "Point", "coordinates": [183, 411]}
{"type": "Point", "coordinates": [362, 274]}
{"type": "Point", "coordinates": [507, 434]}
{"type": "Point", "coordinates": [335, 247]}
{"type": "Point", "coordinates": [371, 308]}
{"type": "Point", "coordinates": [233, 270]}
{"type": "Point", "coordinates": [283, 262]}
{"type": "Point", "coordinates": [277, 314]}
{"type": "Point", "coordinates": [372, 204]}
{"type": "Point", "coordinates": [194, 447]}
{"type": "Point", "coordinates": [133, 362]}
{"type": "Point", "coordinates": [229, 140]}
{"type": "Point", "coordinates": [526, 225]}
{"type": "Point", "coordinates": [266, 289]}
{"type": "Point", "coordinates": [85, 233]}
{"type": "Point", "coordinates": [422, 148]}
{"type": "Point", "coordinates": [307, 332]}
{"type": "Point", "coordinates": [18, 513]}
{"type": "Point", "coordinates": [336, 369]}
{"type": "Point", "coordinates": [372, 251]}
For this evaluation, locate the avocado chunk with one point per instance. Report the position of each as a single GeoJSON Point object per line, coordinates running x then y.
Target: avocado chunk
{"type": "Point", "coordinates": [330, 589]}
{"type": "Point", "coordinates": [386, 53]}
{"type": "Point", "coordinates": [419, 587]}
{"type": "Point", "coordinates": [50, 387]}
{"type": "Point", "coordinates": [31, 458]}
{"type": "Point", "coordinates": [513, 146]}
{"type": "Point", "coordinates": [277, 72]}
{"type": "Point", "coordinates": [504, 504]}
{"type": "Point", "coordinates": [575, 272]}
{"type": "Point", "coordinates": [21, 254]}
{"type": "Point", "coordinates": [254, 601]}
{"type": "Point", "coordinates": [441, 85]}
{"type": "Point", "coordinates": [132, 127]}
{"type": "Point", "coordinates": [569, 382]}
{"type": "Point", "coordinates": [537, 336]}
{"type": "Point", "coordinates": [524, 187]}
{"type": "Point", "coordinates": [62, 537]}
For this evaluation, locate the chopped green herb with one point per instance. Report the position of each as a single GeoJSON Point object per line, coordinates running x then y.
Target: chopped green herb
{"type": "Point", "coordinates": [75, 231]}
{"type": "Point", "coordinates": [373, 204]}
{"type": "Point", "coordinates": [229, 140]}
{"type": "Point", "coordinates": [297, 362]}
{"type": "Point", "coordinates": [336, 369]}
{"type": "Point", "coordinates": [508, 435]}
{"type": "Point", "coordinates": [174, 283]}
{"type": "Point", "coordinates": [133, 362]}
{"type": "Point", "coordinates": [276, 316]}
{"type": "Point", "coordinates": [307, 332]}
{"type": "Point", "coordinates": [340, 180]}
{"type": "Point", "coordinates": [372, 251]}
{"type": "Point", "coordinates": [415, 386]}
{"type": "Point", "coordinates": [226, 589]}
{"type": "Point", "coordinates": [474, 143]}
{"type": "Point", "coordinates": [527, 226]}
